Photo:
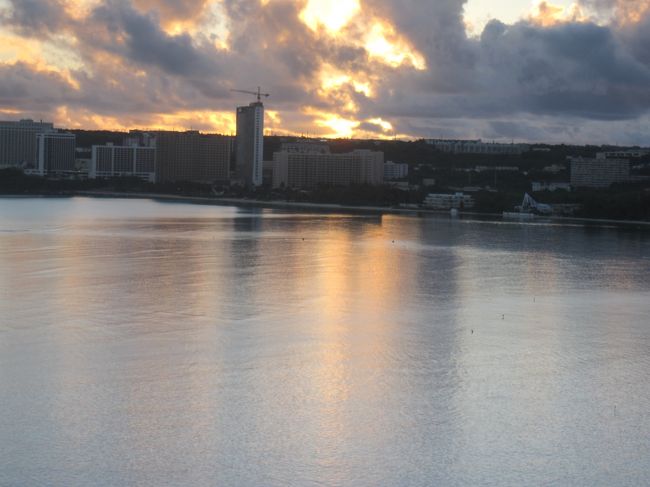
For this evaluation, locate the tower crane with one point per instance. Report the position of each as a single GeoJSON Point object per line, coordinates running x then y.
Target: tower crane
{"type": "Point", "coordinates": [257, 93]}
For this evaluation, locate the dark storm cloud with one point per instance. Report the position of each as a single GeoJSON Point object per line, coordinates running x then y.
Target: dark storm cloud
{"type": "Point", "coordinates": [144, 41]}
{"type": "Point", "coordinates": [437, 30]}
{"type": "Point", "coordinates": [573, 69]}
{"type": "Point", "coordinates": [637, 38]}
{"type": "Point", "coordinates": [33, 17]}
{"type": "Point", "coordinates": [374, 128]}
{"type": "Point", "coordinates": [22, 87]}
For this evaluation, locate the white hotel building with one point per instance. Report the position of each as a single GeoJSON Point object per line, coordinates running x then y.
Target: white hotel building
{"type": "Point", "coordinates": [36, 148]}
{"type": "Point", "coordinates": [109, 161]}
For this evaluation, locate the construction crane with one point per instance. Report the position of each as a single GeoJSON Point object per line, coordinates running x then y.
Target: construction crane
{"type": "Point", "coordinates": [257, 93]}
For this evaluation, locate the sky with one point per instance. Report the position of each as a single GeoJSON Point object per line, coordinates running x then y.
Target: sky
{"type": "Point", "coordinates": [559, 72]}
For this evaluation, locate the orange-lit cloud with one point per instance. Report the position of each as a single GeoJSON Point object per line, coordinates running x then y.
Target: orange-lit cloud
{"type": "Point", "coordinates": [332, 125]}
{"type": "Point", "coordinates": [547, 14]}
{"type": "Point", "coordinates": [332, 15]}
{"type": "Point", "coordinates": [364, 68]}
{"type": "Point", "coordinates": [385, 45]}
{"type": "Point", "coordinates": [338, 87]}
{"type": "Point", "coordinates": [205, 120]}
{"type": "Point", "coordinates": [632, 11]}
{"type": "Point", "coordinates": [377, 36]}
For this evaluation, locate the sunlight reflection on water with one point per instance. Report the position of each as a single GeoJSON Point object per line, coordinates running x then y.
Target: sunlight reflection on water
{"type": "Point", "coordinates": [145, 343]}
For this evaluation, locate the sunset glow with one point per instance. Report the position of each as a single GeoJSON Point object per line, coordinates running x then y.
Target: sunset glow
{"type": "Point", "coordinates": [331, 14]}
{"type": "Point", "coordinates": [154, 63]}
{"type": "Point", "coordinates": [384, 45]}
{"type": "Point", "coordinates": [548, 14]}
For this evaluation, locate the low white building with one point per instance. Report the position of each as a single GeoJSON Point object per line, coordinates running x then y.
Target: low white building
{"type": "Point", "coordinates": [555, 168]}
{"type": "Point", "coordinates": [395, 171]}
{"type": "Point", "coordinates": [459, 201]}
{"type": "Point", "coordinates": [543, 186]}
{"type": "Point", "coordinates": [305, 146]}
{"type": "Point", "coordinates": [623, 154]}
{"type": "Point", "coordinates": [480, 169]}
{"type": "Point", "coordinates": [477, 147]}
{"type": "Point", "coordinates": [109, 161]}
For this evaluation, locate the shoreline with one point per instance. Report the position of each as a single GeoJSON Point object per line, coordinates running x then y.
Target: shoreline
{"type": "Point", "coordinates": [330, 207]}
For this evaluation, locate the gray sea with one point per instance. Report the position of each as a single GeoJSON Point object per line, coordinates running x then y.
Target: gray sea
{"type": "Point", "coordinates": [168, 344]}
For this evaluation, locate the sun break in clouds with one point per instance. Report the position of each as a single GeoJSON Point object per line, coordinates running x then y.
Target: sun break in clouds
{"type": "Point", "coordinates": [557, 71]}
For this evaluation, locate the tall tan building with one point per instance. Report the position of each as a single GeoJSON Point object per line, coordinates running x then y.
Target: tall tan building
{"type": "Point", "coordinates": [250, 144]}
{"type": "Point", "coordinates": [311, 169]}
{"type": "Point", "coordinates": [192, 156]}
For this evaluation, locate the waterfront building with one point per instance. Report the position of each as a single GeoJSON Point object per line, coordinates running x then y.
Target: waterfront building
{"type": "Point", "coordinates": [140, 139]}
{"type": "Point", "coordinates": [623, 154]}
{"type": "Point", "coordinates": [308, 170]}
{"type": "Point", "coordinates": [598, 173]}
{"type": "Point", "coordinates": [267, 173]}
{"type": "Point", "coordinates": [55, 153]}
{"type": "Point", "coordinates": [458, 201]}
{"type": "Point", "coordinates": [481, 169]}
{"type": "Point", "coordinates": [192, 156]}
{"type": "Point", "coordinates": [109, 161]}
{"type": "Point", "coordinates": [555, 168]}
{"type": "Point", "coordinates": [395, 171]}
{"type": "Point", "coordinates": [83, 160]}
{"type": "Point", "coordinates": [305, 146]}
{"type": "Point", "coordinates": [428, 182]}
{"type": "Point", "coordinates": [477, 147]}
{"type": "Point", "coordinates": [18, 144]}
{"type": "Point", "coordinates": [545, 186]}
{"type": "Point", "coordinates": [250, 144]}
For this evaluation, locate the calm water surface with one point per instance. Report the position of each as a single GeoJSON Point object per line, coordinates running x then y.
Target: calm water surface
{"type": "Point", "coordinates": [158, 344]}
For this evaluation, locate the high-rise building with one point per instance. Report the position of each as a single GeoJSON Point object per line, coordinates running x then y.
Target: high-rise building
{"type": "Point", "coordinates": [191, 156]}
{"type": "Point", "coordinates": [18, 145]}
{"type": "Point", "coordinates": [250, 144]}
{"type": "Point", "coordinates": [55, 153]}
{"type": "Point", "coordinates": [109, 161]}
{"type": "Point", "coordinates": [598, 173]}
{"type": "Point", "coordinates": [308, 170]}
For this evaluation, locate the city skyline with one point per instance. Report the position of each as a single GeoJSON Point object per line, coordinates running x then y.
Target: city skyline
{"type": "Point", "coordinates": [553, 72]}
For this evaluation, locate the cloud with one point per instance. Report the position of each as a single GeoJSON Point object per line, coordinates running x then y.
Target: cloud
{"type": "Point", "coordinates": [620, 11]}
{"type": "Point", "coordinates": [139, 38]}
{"type": "Point", "coordinates": [569, 69]}
{"type": "Point", "coordinates": [408, 64]}
{"type": "Point", "coordinates": [24, 87]}
{"type": "Point", "coordinates": [174, 10]}
{"type": "Point", "coordinates": [32, 17]}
